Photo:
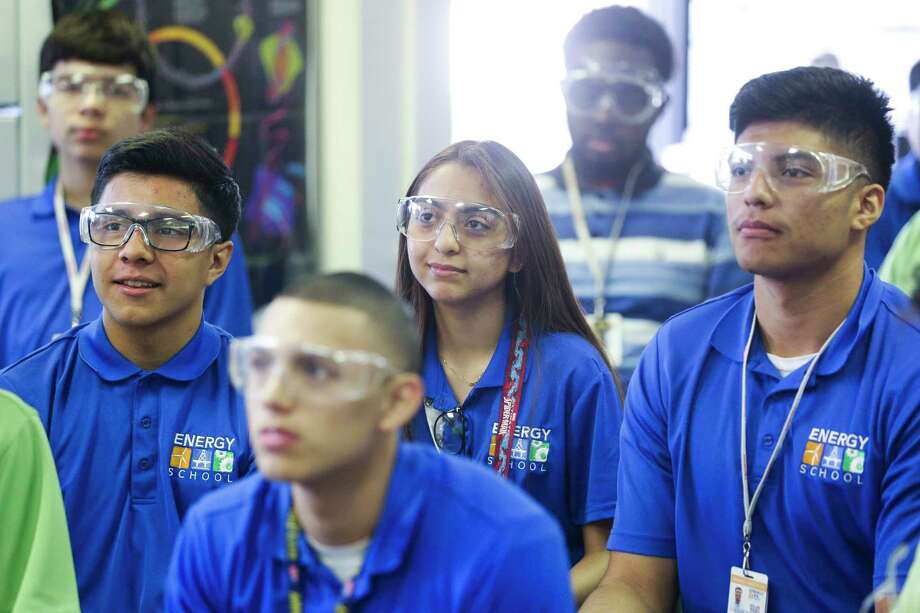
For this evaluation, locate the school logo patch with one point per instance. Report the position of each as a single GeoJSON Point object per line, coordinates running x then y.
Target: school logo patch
{"type": "Point", "coordinates": [529, 448]}
{"type": "Point", "coordinates": [834, 456]}
{"type": "Point", "coordinates": [199, 457]}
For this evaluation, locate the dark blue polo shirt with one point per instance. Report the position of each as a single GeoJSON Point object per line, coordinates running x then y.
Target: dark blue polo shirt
{"type": "Point", "coordinates": [845, 489]}
{"type": "Point", "coordinates": [451, 537]}
{"type": "Point", "coordinates": [134, 449]}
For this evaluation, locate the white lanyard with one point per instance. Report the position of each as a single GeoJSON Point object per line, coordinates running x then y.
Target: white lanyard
{"type": "Point", "coordinates": [76, 279]}
{"type": "Point", "coordinates": [584, 234]}
{"type": "Point", "coordinates": [751, 502]}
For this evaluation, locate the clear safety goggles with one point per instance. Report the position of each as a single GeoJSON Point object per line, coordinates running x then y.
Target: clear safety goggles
{"type": "Point", "coordinates": [785, 168]}
{"type": "Point", "coordinates": [313, 374]}
{"type": "Point", "coordinates": [476, 226]}
{"type": "Point", "coordinates": [631, 97]}
{"type": "Point", "coordinates": [109, 226]}
{"type": "Point", "coordinates": [123, 89]}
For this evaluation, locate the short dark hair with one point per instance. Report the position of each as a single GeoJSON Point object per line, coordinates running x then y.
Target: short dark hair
{"type": "Point", "coordinates": [103, 37]}
{"type": "Point", "coordinates": [627, 25]}
{"type": "Point", "coordinates": [173, 152]}
{"type": "Point", "coordinates": [390, 317]}
{"type": "Point", "coordinates": [915, 76]}
{"type": "Point", "coordinates": [843, 106]}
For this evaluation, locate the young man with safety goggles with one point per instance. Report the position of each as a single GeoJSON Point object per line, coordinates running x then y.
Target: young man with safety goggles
{"type": "Point", "coordinates": [137, 404]}
{"type": "Point", "coordinates": [640, 244]}
{"type": "Point", "coordinates": [342, 516]}
{"type": "Point", "coordinates": [771, 435]}
{"type": "Point", "coordinates": [96, 88]}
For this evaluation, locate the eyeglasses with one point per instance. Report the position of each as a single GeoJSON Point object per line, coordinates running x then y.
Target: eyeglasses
{"type": "Point", "coordinates": [314, 374]}
{"type": "Point", "coordinates": [109, 226]}
{"type": "Point", "coordinates": [450, 430]}
{"type": "Point", "coordinates": [629, 96]}
{"type": "Point", "coordinates": [124, 89]}
{"type": "Point", "coordinates": [476, 226]}
{"type": "Point", "coordinates": [785, 168]}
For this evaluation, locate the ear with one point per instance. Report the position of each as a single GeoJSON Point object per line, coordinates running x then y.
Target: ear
{"type": "Point", "coordinates": [403, 399]}
{"type": "Point", "coordinates": [42, 112]}
{"type": "Point", "coordinates": [148, 115]}
{"type": "Point", "coordinates": [220, 259]}
{"type": "Point", "coordinates": [870, 205]}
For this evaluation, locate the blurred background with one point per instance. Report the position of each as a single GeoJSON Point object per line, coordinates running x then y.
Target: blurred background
{"type": "Point", "coordinates": [327, 108]}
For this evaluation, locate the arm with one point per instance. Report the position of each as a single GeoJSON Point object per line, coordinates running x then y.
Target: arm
{"type": "Point", "coordinates": [35, 555]}
{"type": "Point", "coordinates": [635, 584]}
{"type": "Point", "coordinates": [588, 572]}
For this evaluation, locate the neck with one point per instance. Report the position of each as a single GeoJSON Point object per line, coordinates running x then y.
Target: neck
{"type": "Point", "coordinates": [77, 180]}
{"type": "Point", "coordinates": [454, 324]}
{"type": "Point", "coordinates": [150, 347]}
{"type": "Point", "coordinates": [796, 316]}
{"type": "Point", "coordinates": [345, 507]}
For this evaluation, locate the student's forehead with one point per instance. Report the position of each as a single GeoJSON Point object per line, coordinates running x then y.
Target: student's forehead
{"type": "Point", "coordinates": [152, 189]}
{"type": "Point", "coordinates": [295, 320]}
{"type": "Point", "coordinates": [74, 65]}
{"type": "Point", "coordinates": [791, 134]}
{"type": "Point", "coordinates": [610, 55]}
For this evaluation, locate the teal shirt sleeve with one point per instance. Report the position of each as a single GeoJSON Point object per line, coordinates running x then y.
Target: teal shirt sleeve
{"type": "Point", "coordinates": [35, 553]}
{"type": "Point", "coordinates": [902, 264]}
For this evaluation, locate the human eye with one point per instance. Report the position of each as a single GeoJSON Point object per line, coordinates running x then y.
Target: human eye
{"type": "Point", "coordinates": [426, 215]}
{"type": "Point", "coordinates": [317, 369]}
{"type": "Point", "coordinates": [260, 360]}
{"type": "Point", "coordinates": [119, 90]}
{"type": "Point", "coordinates": [740, 169]}
{"type": "Point", "coordinates": [479, 224]}
{"type": "Point", "coordinates": [68, 84]}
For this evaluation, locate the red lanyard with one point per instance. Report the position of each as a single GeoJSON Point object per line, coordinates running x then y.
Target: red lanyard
{"type": "Point", "coordinates": [512, 390]}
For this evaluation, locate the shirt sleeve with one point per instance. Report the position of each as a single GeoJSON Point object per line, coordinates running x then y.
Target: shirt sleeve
{"type": "Point", "coordinates": [529, 573]}
{"type": "Point", "coordinates": [902, 264]}
{"type": "Point", "coordinates": [35, 554]}
{"type": "Point", "coordinates": [645, 512]}
{"type": "Point", "coordinates": [192, 582]}
{"type": "Point", "coordinates": [228, 302]}
{"type": "Point", "coordinates": [899, 515]}
{"type": "Point", "coordinates": [592, 445]}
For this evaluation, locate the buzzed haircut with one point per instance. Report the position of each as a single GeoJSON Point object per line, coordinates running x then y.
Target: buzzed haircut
{"type": "Point", "coordinates": [102, 37]}
{"type": "Point", "coordinates": [390, 318]}
{"type": "Point", "coordinates": [844, 107]}
{"type": "Point", "coordinates": [173, 152]}
{"type": "Point", "coordinates": [627, 25]}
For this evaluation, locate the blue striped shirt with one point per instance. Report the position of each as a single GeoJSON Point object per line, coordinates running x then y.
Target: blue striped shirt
{"type": "Point", "coordinates": [673, 253]}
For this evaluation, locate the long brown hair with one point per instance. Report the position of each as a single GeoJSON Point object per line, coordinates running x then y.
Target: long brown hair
{"type": "Point", "coordinates": [540, 290]}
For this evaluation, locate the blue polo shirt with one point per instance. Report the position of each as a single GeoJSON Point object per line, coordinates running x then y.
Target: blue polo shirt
{"type": "Point", "coordinates": [451, 537]}
{"type": "Point", "coordinates": [35, 294]}
{"type": "Point", "coordinates": [845, 489]}
{"type": "Point", "coordinates": [134, 449]}
{"type": "Point", "coordinates": [565, 447]}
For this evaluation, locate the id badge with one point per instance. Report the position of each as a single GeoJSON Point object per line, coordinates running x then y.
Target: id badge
{"type": "Point", "coordinates": [613, 337]}
{"type": "Point", "coordinates": [747, 592]}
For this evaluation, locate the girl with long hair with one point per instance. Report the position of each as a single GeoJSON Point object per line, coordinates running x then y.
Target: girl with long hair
{"type": "Point", "coordinates": [515, 377]}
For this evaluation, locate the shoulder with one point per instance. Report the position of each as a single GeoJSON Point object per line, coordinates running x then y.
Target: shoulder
{"type": "Point", "coordinates": [462, 493]}
{"type": "Point", "coordinates": [567, 352]}
{"type": "Point", "coordinates": [700, 320]}
{"type": "Point", "coordinates": [35, 366]}
{"type": "Point", "coordinates": [18, 422]}
{"type": "Point", "coordinates": [901, 318]}
{"type": "Point", "coordinates": [233, 505]}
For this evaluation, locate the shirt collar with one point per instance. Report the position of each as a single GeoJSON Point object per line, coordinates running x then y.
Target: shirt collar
{"type": "Point", "coordinates": [43, 206]}
{"type": "Point", "coordinates": [187, 365]}
{"type": "Point", "coordinates": [392, 536]}
{"type": "Point", "coordinates": [731, 332]}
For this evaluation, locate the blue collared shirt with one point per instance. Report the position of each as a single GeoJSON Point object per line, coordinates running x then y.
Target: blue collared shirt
{"type": "Point", "coordinates": [35, 294]}
{"type": "Point", "coordinates": [845, 489]}
{"type": "Point", "coordinates": [134, 449]}
{"type": "Point", "coordinates": [451, 537]}
{"type": "Point", "coordinates": [565, 447]}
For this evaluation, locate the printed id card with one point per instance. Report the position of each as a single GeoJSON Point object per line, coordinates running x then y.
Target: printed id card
{"type": "Point", "coordinates": [747, 592]}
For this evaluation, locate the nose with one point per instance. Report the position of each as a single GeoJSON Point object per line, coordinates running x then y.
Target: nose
{"type": "Point", "coordinates": [275, 392]}
{"type": "Point", "coordinates": [137, 248]}
{"type": "Point", "coordinates": [91, 98]}
{"type": "Point", "coordinates": [758, 191]}
{"type": "Point", "coordinates": [447, 242]}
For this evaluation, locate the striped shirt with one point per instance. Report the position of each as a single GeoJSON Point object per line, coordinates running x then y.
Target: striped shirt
{"type": "Point", "coordinates": [673, 253]}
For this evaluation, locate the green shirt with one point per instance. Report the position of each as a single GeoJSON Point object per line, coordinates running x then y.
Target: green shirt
{"type": "Point", "coordinates": [909, 598]}
{"type": "Point", "coordinates": [902, 264]}
{"type": "Point", "coordinates": [35, 557]}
